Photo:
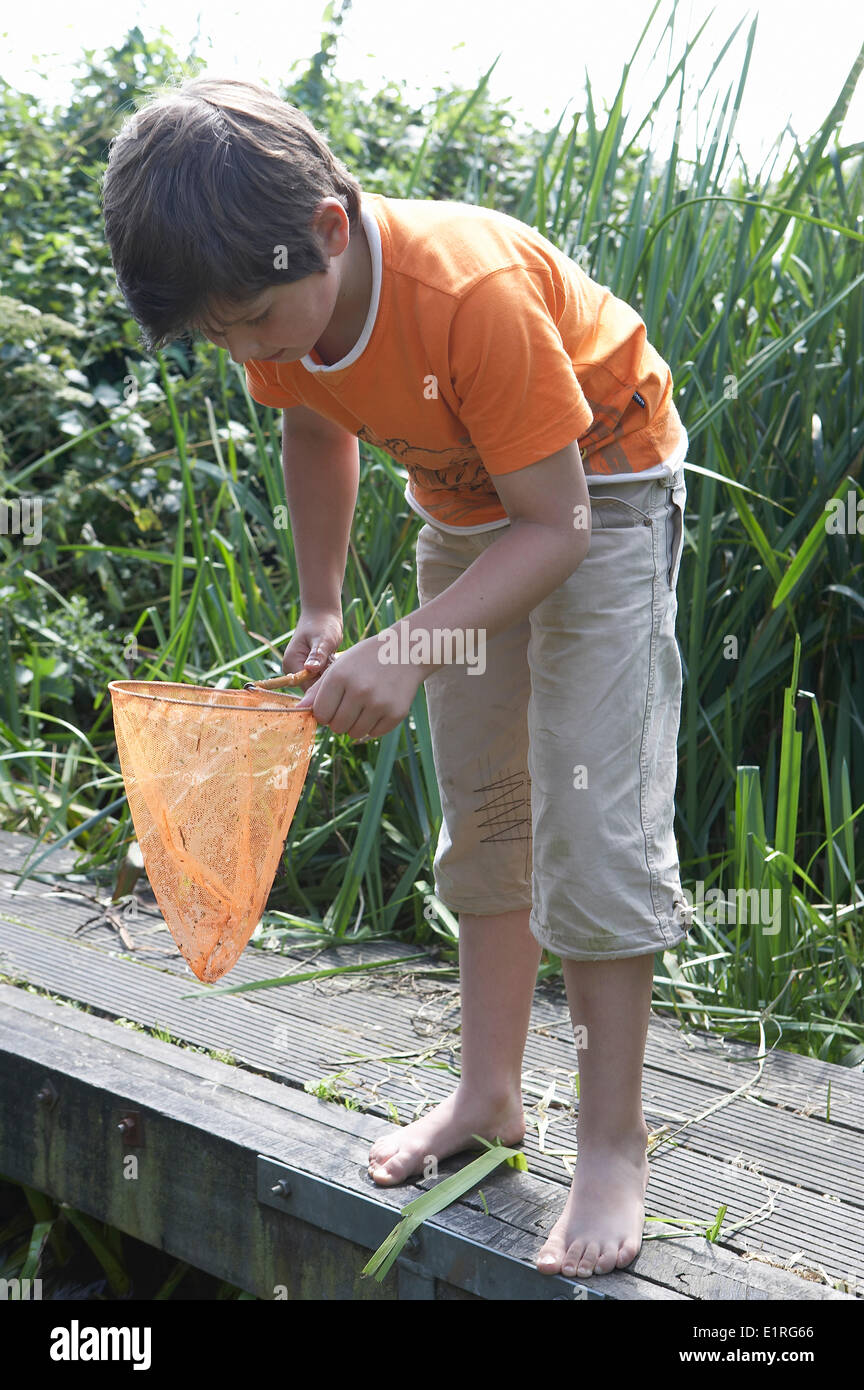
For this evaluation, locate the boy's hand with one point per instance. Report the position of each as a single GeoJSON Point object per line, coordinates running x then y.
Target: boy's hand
{"type": "Point", "coordinates": [361, 695]}
{"type": "Point", "coordinates": [316, 638]}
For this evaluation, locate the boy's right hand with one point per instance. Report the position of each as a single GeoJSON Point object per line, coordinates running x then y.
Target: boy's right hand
{"type": "Point", "coordinates": [316, 639]}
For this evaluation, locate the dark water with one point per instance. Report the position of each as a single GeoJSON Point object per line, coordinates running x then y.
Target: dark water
{"type": "Point", "coordinates": [82, 1276]}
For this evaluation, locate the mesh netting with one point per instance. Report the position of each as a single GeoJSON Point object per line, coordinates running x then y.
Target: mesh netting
{"type": "Point", "coordinates": [213, 778]}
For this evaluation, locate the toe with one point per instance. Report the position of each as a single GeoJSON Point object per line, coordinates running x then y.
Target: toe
{"type": "Point", "coordinates": [392, 1170]}
{"type": "Point", "coordinates": [573, 1258]}
{"type": "Point", "coordinates": [590, 1256]}
{"type": "Point", "coordinates": [549, 1259]}
{"type": "Point", "coordinates": [381, 1173]}
{"type": "Point", "coordinates": [383, 1149]}
{"type": "Point", "coordinates": [628, 1252]}
{"type": "Point", "coordinates": [608, 1257]}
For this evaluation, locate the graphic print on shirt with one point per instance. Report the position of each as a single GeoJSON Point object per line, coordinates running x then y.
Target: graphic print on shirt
{"type": "Point", "coordinates": [461, 468]}
{"type": "Point", "coordinates": [604, 435]}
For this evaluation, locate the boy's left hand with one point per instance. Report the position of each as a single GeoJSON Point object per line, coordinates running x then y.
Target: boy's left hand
{"type": "Point", "coordinates": [362, 696]}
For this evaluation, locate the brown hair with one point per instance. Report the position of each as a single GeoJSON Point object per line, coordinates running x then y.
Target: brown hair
{"type": "Point", "coordinates": [205, 183]}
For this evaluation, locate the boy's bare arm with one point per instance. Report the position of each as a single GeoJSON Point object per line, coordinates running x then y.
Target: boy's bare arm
{"type": "Point", "coordinates": [550, 533]}
{"type": "Point", "coordinates": [321, 462]}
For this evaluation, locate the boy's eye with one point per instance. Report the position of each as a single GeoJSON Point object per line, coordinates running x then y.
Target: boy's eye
{"type": "Point", "coordinates": [260, 319]}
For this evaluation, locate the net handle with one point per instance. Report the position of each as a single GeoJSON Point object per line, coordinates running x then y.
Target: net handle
{"type": "Point", "coordinates": [281, 682]}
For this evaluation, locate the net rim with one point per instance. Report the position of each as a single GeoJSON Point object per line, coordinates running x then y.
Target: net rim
{"type": "Point", "coordinates": [127, 688]}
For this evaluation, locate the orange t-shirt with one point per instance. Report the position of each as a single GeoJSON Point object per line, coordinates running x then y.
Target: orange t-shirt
{"type": "Point", "coordinates": [485, 350]}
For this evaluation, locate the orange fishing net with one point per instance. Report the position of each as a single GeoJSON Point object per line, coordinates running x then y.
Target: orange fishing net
{"type": "Point", "coordinates": [213, 778]}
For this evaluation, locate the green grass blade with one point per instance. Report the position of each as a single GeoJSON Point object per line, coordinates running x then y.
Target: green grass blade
{"type": "Point", "coordinates": [430, 1203]}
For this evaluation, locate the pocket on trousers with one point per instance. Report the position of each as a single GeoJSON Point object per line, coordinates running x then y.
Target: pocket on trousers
{"type": "Point", "coordinates": [675, 534]}
{"type": "Point", "coordinates": [614, 511]}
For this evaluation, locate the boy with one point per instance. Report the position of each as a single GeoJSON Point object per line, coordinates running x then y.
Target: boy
{"type": "Point", "coordinates": [492, 367]}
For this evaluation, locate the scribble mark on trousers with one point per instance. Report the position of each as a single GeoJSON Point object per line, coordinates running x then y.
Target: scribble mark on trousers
{"type": "Point", "coordinates": [506, 808]}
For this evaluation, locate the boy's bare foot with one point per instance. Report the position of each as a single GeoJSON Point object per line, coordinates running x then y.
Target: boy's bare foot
{"type": "Point", "coordinates": [445, 1130]}
{"type": "Point", "coordinates": [600, 1228]}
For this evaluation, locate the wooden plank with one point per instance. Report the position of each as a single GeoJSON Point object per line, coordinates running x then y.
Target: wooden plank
{"type": "Point", "coordinates": [16, 849]}
{"type": "Point", "coordinates": [788, 1079]}
{"type": "Point", "coordinates": [228, 1108]}
{"type": "Point", "coordinates": [798, 1083]}
{"type": "Point", "coordinates": [193, 1194]}
{"type": "Point", "coordinates": [785, 1141]}
{"type": "Point", "coordinates": [194, 1191]}
{"type": "Point", "coordinates": [703, 1176]}
{"type": "Point", "coordinates": [661, 1060]}
{"type": "Point", "coordinates": [346, 1015]}
{"type": "Point", "coordinates": [831, 1249]}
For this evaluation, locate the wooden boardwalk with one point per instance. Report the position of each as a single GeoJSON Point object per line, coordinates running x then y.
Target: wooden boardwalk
{"type": "Point", "coordinates": [208, 1140]}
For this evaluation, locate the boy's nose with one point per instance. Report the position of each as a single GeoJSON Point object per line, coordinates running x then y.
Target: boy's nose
{"type": "Point", "coordinates": [236, 349]}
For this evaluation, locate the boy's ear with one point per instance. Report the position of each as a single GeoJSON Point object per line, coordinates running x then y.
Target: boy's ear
{"type": "Point", "coordinates": [331, 226]}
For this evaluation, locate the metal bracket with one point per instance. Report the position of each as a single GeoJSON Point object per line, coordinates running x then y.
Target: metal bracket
{"type": "Point", "coordinates": [433, 1253]}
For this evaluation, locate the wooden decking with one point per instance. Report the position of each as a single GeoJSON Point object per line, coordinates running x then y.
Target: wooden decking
{"type": "Point", "coordinates": [211, 1139]}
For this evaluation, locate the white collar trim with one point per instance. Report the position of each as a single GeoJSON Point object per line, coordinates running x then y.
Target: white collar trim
{"type": "Point", "coordinates": [373, 235]}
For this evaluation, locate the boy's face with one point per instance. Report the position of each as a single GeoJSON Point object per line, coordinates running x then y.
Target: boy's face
{"type": "Point", "coordinates": [284, 322]}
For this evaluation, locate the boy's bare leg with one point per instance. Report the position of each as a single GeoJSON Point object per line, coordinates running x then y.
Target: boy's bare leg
{"type": "Point", "coordinates": [601, 1226]}
{"type": "Point", "coordinates": [498, 960]}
